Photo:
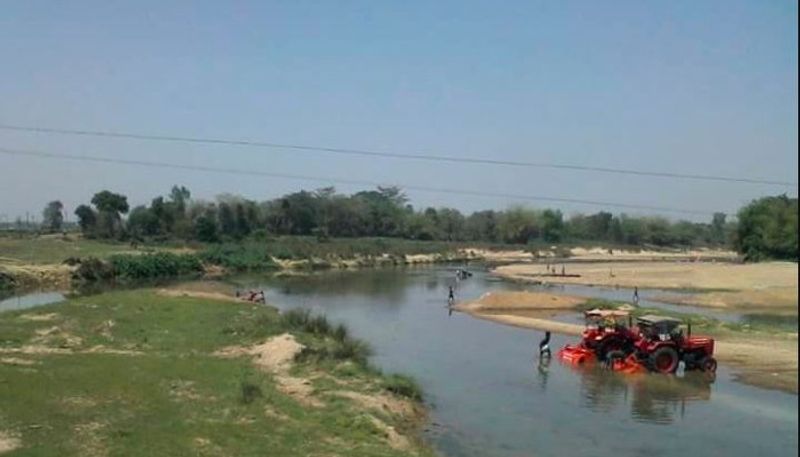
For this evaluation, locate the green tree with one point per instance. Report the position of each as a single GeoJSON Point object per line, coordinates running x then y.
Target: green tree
{"type": "Point", "coordinates": [519, 225]}
{"type": "Point", "coordinates": [180, 197]}
{"type": "Point", "coordinates": [87, 219]}
{"type": "Point", "coordinates": [205, 228]}
{"type": "Point", "coordinates": [227, 220]}
{"type": "Point", "coordinates": [110, 207]}
{"type": "Point", "coordinates": [451, 223]}
{"type": "Point", "coordinates": [767, 229]}
{"type": "Point", "coordinates": [481, 226]}
{"type": "Point", "coordinates": [142, 222]}
{"type": "Point", "coordinates": [552, 225]}
{"type": "Point", "coordinates": [53, 216]}
{"type": "Point", "coordinates": [718, 226]}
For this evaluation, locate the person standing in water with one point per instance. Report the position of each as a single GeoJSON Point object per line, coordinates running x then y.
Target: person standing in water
{"type": "Point", "coordinates": [544, 346]}
{"type": "Point", "coordinates": [636, 295]}
{"type": "Point", "coordinates": [451, 297]}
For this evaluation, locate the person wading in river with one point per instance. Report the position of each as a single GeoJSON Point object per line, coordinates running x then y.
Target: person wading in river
{"type": "Point", "coordinates": [451, 297]}
{"type": "Point", "coordinates": [544, 346]}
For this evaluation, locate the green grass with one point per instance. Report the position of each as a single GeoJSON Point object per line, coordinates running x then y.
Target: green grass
{"type": "Point", "coordinates": [55, 248]}
{"type": "Point", "coordinates": [404, 386]}
{"type": "Point", "coordinates": [175, 397]}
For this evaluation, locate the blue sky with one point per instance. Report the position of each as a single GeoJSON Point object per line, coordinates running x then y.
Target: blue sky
{"type": "Point", "coordinates": [705, 87]}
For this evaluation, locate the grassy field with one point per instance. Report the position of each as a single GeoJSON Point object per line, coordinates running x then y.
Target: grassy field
{"type": "Point", "coordinates": [48, 249]}
{"type": "Point", "coordinates": [56, 248]}
{"type": "Point", "coordinates": [137, 373]}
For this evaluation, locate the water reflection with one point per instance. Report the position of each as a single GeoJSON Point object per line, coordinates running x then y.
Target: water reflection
{"type": "Point", "coordinates": [653, 398]}
{"type": "Point", "coordinates": [543, 370]}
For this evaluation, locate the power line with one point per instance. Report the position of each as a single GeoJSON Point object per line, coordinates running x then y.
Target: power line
{"type": "Point", "coordinates": [425, 157]}
{"type": "Point", "coordinates": [236, 171]}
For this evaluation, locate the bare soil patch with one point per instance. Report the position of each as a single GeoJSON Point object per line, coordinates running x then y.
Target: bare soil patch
{"type": "Point", "coordinates": [19, 362]}
{"type": "Point", "coordinates": [608, 254]}
{"type": "Point", "coordinates": [499, 301]}
{"type": "Point", "coordinates": [8, 442]}
{"type": "Point", "coordinates": [276, 356]}
{"type": "Point", "coordinates": [39, 317]}
{"type": "Point", "coordinates": [382, 402]}
{"type": "Point", "coordinates": [393, 437]}
{"type": "Point", "coordinates": [198, 294]}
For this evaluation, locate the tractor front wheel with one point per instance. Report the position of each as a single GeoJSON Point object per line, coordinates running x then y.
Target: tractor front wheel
{"type": "Point", "coordinates": [664, 360]}
{"type": "Point", "coordinates": [709, 364]}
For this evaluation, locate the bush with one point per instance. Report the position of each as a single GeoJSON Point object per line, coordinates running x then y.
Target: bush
{"type": "Point", "coordinates": [767, 229]}
{"type": "Point", "coordinates": [158, 265]}
{"type": "Point", "coordinates": [92, 269]}
{"type": "Point", "coordinates": [403, 386]}
{"type": "Point", "coordinates": [238, 257]}
{"type": "Point", "coordinates": [338, 345]}
{"type": "Point", "coordinates": [249, 392]}
{"type": "Point", "coordinates": [7, 282]}
{"type": "Point", "coordinates": [351, 349]}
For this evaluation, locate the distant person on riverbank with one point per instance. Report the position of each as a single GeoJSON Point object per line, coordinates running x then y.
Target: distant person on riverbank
{"type": "Point", "coordinates": [636, 295]}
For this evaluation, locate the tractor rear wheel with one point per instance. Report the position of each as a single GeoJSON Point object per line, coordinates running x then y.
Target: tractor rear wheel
{"type": "Point", "coordinates": [664, 360]}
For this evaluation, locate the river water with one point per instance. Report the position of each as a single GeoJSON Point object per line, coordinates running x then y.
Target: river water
{"type": "Point", "coordinates": [490, 396]}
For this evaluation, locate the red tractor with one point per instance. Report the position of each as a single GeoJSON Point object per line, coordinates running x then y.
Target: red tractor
{"type": "Point", "coordinates": [605, 334]}
{"type": "Point", "coordinates": [661, 346]}
{"type": "Point", "coordinates": [656, 344]}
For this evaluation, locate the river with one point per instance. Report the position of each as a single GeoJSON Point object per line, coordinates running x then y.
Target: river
{"type": "Point", "coordinates": [490, 396]}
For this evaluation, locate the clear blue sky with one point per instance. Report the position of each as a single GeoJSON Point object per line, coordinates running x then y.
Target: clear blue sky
{"type": "Point", "coordinates": [681, 86]}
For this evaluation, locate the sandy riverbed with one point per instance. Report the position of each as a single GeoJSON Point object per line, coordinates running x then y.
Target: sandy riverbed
{"type": "Point", "coordinates": [761, 285]}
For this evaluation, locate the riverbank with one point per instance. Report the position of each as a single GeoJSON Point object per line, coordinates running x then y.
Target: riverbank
{"type": "Point", "coordinates": [146, 373]}
{"type": "Point", "coordinates": [59, 262]}
{"type": "Point", "coordinates": [725, 285]}
{"type": "Point", "coordinates": [762, 358]}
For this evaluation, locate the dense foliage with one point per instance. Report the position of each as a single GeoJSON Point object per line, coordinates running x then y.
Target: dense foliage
{"type": "Point", "coordinates": [768, 229]}
{"type": "Point", "coordinates": [158, 265]}
{"type": "Point", "coordinates": [383, 212]}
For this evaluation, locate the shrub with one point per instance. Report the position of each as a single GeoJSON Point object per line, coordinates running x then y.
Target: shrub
{"type": "Point", "coordinates": [404, 386]}
{"type": "Point", "coordinates": [249, 392]}
{"type": "Point", "coordinates": [7, 282]}
{"type": "Point", "coordinates": [338, 345]}
{"type": "Point", "coordinates": [238, 257]}
{"type": "Point", "coordinates": [92, 269]}
{"type": "Point", "coordinates": [158, 265]}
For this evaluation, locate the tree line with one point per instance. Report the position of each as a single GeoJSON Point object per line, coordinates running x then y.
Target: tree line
{"type": "Point", "coordinates": [767, 228]}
